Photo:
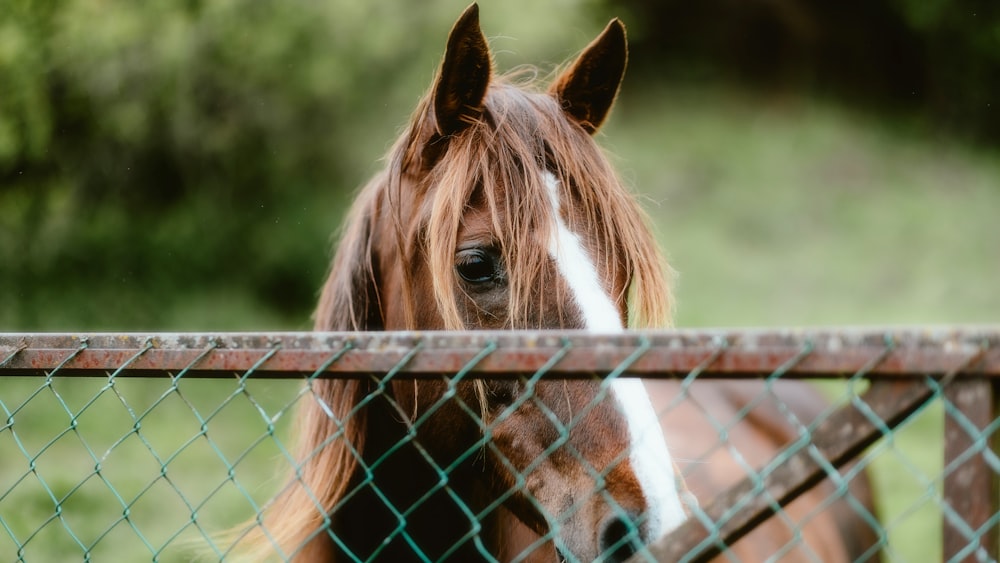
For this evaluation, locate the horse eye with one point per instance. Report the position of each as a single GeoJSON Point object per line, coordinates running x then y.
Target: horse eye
{"type": "Point", "coordinates": [477, 265]}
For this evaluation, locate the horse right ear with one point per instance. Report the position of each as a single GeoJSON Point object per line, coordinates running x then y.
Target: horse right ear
{"type": "Point", "coordinates": [465, 72]}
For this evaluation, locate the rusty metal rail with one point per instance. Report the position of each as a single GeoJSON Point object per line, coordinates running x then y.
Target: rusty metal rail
{"type": "Point", "coordinates": [676, 353]}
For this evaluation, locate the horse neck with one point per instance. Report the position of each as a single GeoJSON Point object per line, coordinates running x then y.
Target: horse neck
{"type": "Point", "coordinates": [397, 480]}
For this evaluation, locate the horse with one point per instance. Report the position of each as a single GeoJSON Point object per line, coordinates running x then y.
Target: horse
{"type": "Point", "coordinates": [496, 209]}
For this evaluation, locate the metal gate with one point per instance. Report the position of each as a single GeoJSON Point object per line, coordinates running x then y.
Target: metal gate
{"type": "Point", "coordinates": [135, 446]}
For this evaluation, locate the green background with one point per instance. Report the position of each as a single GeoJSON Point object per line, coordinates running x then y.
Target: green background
{"type": "Point", "coordinates": [185, 165]}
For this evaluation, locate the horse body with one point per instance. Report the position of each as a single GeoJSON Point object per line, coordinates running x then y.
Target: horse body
{"type": "Point", "coordinates": [496, 210]}
{"type": "Point", "coordinates": [758, 427]}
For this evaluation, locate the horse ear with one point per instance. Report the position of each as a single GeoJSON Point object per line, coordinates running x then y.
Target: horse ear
{"type": "Point", "coordinates": [588, 88]}
{"type": "Point", "coordinates": [465, 73]}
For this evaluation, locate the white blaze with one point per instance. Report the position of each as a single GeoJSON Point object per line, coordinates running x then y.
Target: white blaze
{"type": "Point", "coordinates": [650, 458]}
{"type": "Point", "coordinates": [599, 312]}
{"type": "Point", "coordinates": [648, 452]}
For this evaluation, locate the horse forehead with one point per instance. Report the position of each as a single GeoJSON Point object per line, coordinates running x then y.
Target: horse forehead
{"type": "Point", "coordinates": [478, 223]}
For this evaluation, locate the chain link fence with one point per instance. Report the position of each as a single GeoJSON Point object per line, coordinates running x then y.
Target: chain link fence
{"type": "Point", "coordinates": [132, 447]}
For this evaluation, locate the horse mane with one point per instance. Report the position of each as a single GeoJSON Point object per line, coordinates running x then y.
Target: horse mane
{"type": "Point", "coordinates": [497, 160]}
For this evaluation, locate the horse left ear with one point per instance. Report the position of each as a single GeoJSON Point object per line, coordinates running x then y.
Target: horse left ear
{"type": "Point", "coordinates": [588, 88]}
{"type": "Point", "coordinates": [465, 73]}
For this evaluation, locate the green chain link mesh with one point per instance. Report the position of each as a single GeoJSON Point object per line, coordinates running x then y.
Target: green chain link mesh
{"type": "Point", "coordinates": [134, 469]}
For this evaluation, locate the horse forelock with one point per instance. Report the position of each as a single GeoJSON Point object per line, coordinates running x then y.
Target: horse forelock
{"type": "Point", "coordinates": [499, 164]}
{"type": "Point", "coordinates": [416, 209]}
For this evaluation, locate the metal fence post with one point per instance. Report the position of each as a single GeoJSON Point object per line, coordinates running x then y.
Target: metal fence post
{"type": "Point", "coordinates": [971, 482]}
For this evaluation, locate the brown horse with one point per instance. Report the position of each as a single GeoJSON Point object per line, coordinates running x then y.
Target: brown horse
{"type": "Point", "coordinates": [496, 210]}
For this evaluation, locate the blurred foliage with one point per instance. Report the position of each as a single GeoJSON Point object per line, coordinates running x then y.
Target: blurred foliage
{"type": "Point", "coordinates": [932, 57]}
{"type": "Point", "coordinates": [162, 148]}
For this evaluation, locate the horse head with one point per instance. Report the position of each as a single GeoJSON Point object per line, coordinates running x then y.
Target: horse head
{"type": "Point", "coordinates": [496, 210]}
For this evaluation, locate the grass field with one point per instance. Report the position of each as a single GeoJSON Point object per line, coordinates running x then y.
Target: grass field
{"type": "Point", "coordinates": [786, 213]}
{"type": "Point", "coordinates": [140, 467]}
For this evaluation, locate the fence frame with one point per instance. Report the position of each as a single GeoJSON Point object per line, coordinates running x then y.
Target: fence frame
{"type": "Point", "coordinates": [965, 361]}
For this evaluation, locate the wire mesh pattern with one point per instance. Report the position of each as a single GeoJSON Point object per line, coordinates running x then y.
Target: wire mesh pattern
{"type": "Point", "coordinates": [142, 447]}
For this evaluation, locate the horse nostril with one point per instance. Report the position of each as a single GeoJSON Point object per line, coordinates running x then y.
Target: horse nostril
{"type": "Point", "coordinates": [620, 539]}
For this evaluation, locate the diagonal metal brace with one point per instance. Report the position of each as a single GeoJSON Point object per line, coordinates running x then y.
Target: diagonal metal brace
{"type": "Point", "coordinates": [840, 438]}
